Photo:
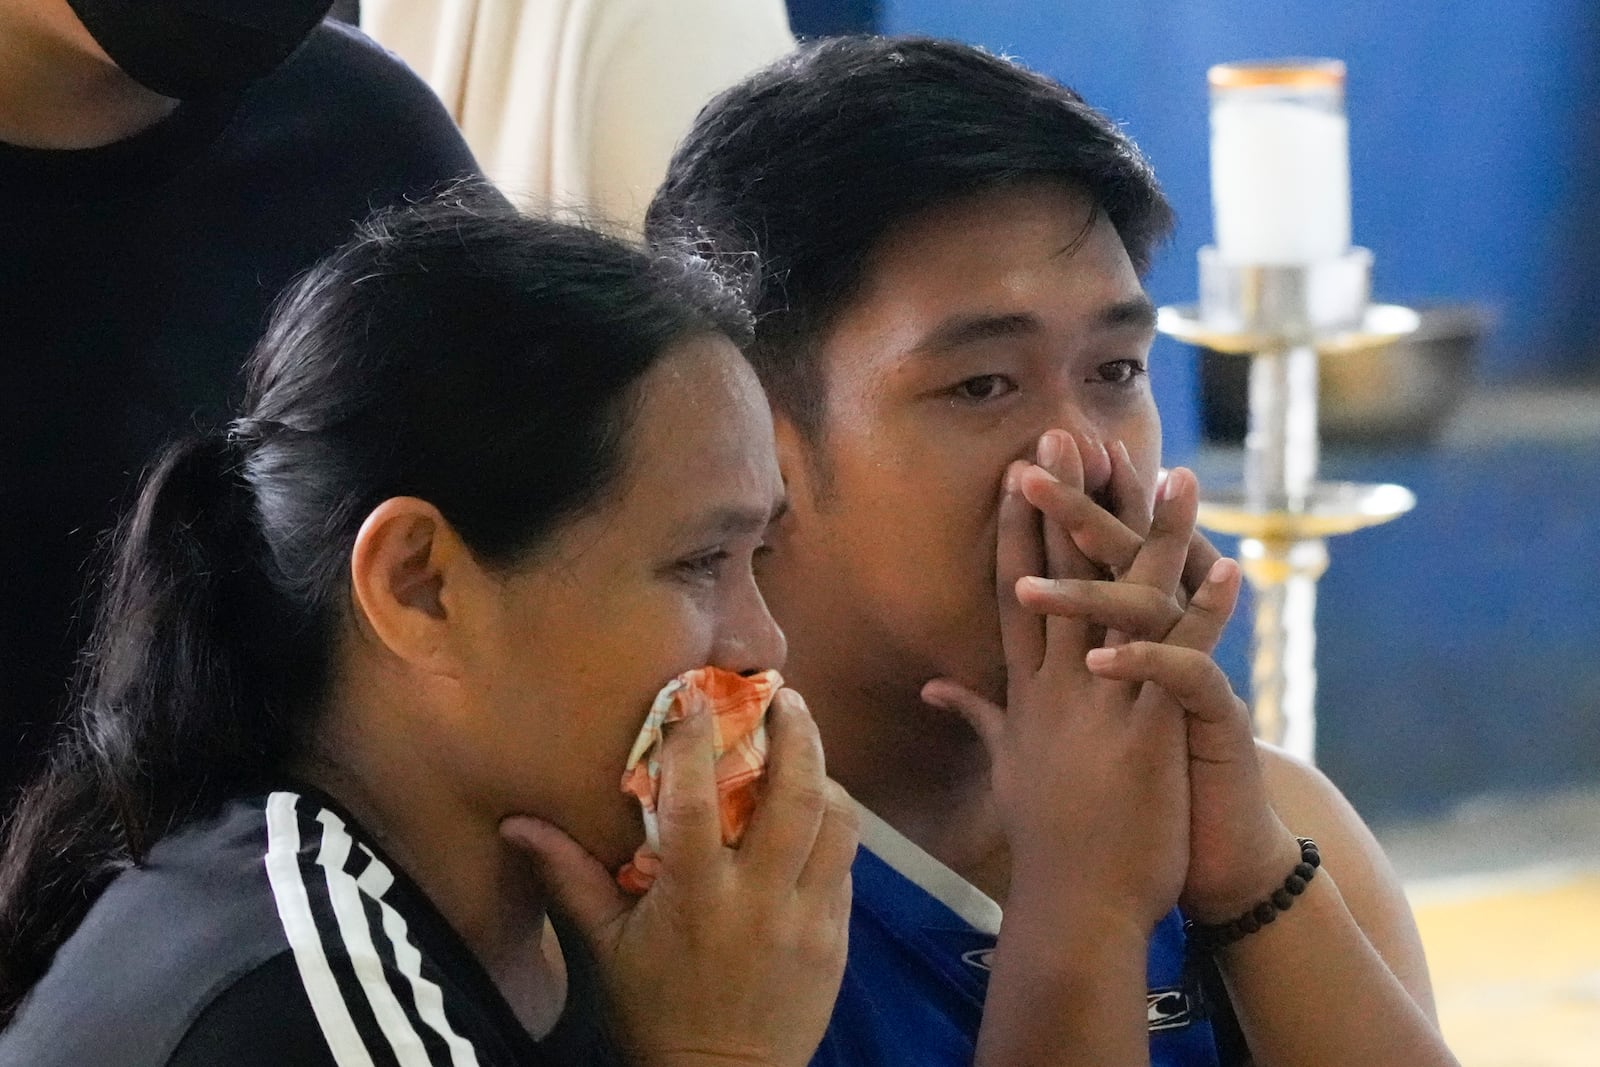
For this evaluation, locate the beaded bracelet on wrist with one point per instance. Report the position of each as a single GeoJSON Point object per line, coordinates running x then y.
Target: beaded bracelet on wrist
{"type": "Point", "coordinates": [1209, 937]}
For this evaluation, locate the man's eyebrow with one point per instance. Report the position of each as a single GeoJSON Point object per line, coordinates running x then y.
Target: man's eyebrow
{"type": "Point", "coordinates": [1137, 312]}
{"type": "Point", "coordinates": [961, 330]}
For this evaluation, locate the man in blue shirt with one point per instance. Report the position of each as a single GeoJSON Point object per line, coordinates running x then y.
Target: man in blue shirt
{"type": "Point", "coordinates": [955, 342]}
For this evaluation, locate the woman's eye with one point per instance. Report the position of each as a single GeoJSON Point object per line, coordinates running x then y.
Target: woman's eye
{"type": "Point", "coordinates": [707, 565]}
{"type": "Point", "coordinates": [1119, 371]}
{"type": "Point", "coordinates": [983, 387]}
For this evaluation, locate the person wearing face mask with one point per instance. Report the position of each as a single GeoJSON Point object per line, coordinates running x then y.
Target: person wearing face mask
{"type": "Point", "coordinates": [371, 661]}
{"type": "Point", "coordinates": [167, 166]}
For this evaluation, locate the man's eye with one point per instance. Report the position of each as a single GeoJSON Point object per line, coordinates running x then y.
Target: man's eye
{"type": "Point", "coordinates": [983, 387]}
{"type": "Point", "coordinates": [1119, 371]}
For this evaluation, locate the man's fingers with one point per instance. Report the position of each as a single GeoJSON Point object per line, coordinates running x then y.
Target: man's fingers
{"type": "Point", "coordinates": [1202, 555]}
{"type": "Point", "coordinates": [1160, 563]}
{"type": "Point", "coordinates": [1061, 458]}
{"type": "Point", "coordinates": [1059, 453]}
{"type": "Point", "coordinates": [986, 719]}
{"type": "Point", "coordinates": [1189, 677]}
{"type": "Point", "coordinates": [1019, 551]}
{"type": "Point", "coordinates": [691, 827]}
{"type": "Point", "coordinates": [784, 828]}
{"type": "Point", "coordinates": [1218, 722]}
{"type": "Point", "coordinates": [583, 890]}
{"type": "Point", "coordinates": [1130, 492]}
{"type": "Point", "coordinates": [1134, 610]}
{"type": "Point", "coordinates": [1209, 609]}
{"type": "Point", "coordinates": [1099, 535]}
{"type": "Point", "coordinates": [1058, 456]}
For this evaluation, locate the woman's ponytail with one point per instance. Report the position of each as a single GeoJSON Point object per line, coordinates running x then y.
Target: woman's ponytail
{"type": "Point", "coordinates": [171, 659]}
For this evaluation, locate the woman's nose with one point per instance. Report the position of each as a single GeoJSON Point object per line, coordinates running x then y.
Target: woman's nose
{"type": "Point", "coordinates": [750, 638]}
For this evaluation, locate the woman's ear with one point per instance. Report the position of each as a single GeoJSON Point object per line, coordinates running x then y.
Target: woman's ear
{"type": "Point", "coordinates": [415, 585]}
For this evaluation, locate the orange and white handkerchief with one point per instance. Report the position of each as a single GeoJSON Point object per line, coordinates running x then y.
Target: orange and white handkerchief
{"type": "Point", "coordinates": [738, 707]}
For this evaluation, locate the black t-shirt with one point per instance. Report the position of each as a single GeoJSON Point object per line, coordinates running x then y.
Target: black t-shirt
{"type": "Point", "coordinates": [134, 280]}
{"type": "Point", "coordinates": [273, 934]}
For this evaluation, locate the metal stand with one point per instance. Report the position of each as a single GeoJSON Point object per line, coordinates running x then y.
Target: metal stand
{"type": "Point", "coordinates": [1284, 318]}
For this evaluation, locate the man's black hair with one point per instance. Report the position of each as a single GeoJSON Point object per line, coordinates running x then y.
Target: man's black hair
{"type": "Point", "coordinates": [803, 167]}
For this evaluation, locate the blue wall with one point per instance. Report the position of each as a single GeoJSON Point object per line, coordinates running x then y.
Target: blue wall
{"type": "Point", "coordinates": [826, 18]}
{"type": "Point", "coordinates": [1465, 122]}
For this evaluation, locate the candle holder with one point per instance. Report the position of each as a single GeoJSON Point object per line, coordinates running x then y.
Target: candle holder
{"type": "Point", "coordinates": [1283, 286]}
{"type": "Point", "coordinates": [1284, 317]}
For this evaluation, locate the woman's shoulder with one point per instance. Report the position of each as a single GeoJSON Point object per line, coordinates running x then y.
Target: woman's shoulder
{"type": "Point", "coordinates": [267, 929]}
{"type": "Point", "coordinates": [161, 940]}
{"type": "Point", "coordinates": [263, 1019]}
{"type": "Point", "coordinates": [373, 962]}
{"type": "Point", "coordinates": [283, 1012]}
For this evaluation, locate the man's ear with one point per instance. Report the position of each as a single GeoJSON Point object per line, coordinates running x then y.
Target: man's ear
{"type": "Point", "coordinates": [414, 584]}
{"type": "Point", "coordinates": [797, 467]}
{"type": "Point", "coordinates": [797, 458]}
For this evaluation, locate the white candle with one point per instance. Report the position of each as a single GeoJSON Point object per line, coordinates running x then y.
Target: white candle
{"type": "Point", "coordinates": [1280, 163]}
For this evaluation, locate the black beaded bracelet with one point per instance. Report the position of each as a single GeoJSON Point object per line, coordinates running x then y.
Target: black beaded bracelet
{"type": "Point", "coordinates": [1208, 937]}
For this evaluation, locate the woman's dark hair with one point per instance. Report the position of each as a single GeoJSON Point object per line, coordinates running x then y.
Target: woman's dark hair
{"type": "Point", "coordinates": [454, 351]}
{"type": "Point", "coordinates": [808, 163]}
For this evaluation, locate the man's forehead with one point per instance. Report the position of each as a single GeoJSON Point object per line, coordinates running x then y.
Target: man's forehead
{"type": "Point", "coordinates": [1062, 215]}
{"type": "Point", "coordinates": [969, 255]}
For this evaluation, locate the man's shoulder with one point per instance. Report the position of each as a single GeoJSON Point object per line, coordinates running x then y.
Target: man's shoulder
{"type": "Point", "coordinates": [896, 876]}
{"type": "Point", "coordinates": [1310, 805]}
{"type": "Point", "coordinates": [1304, 798]}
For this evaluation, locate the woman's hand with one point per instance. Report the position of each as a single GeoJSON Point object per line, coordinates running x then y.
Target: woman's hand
{"type": "Point", "coordinates": [734, 956]}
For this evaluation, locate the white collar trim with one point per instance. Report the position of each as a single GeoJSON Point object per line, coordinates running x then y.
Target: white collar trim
{"type": "Point", "coordinates": [946, 886]}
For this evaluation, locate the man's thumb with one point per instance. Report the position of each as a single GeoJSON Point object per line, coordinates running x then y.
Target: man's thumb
{"type": "Point", "coordinates": [986, 719]}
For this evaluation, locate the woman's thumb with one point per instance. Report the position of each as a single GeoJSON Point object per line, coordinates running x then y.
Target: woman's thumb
{"type": "Point", "coordinates": [581, 888]}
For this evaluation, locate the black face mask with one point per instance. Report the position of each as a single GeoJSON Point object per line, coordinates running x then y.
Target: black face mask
{"type": "Point", "coordinates": [195, 48]}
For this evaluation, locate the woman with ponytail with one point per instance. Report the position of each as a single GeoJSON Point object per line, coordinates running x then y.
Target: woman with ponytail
{"type": "Point", "coordinates": [369, 662]}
